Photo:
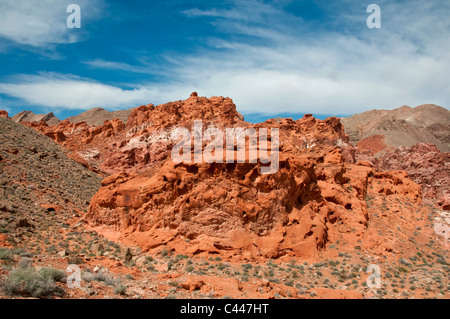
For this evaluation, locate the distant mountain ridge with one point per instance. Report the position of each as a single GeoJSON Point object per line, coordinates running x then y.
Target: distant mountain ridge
{"type": "Point", "coordinates": [97, 116]}
{"type": "Point", "coordinates": [404, 126]}
{"type": "Point", "coordinates": [29, 116]}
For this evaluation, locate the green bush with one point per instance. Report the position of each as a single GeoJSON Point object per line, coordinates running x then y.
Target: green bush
{"type": "Point", "coordinates": [164, 252]}
{"type": "Point", "coordinates": [5, 254]}
{"type": "Point", "coordinates": [104, 277]}
{"type": "Point", "coordinates": [170, 264]}
{"type": "Point", "coordinates": [25, 262]}
{"type": "Point", "coordinates": [149, 259]}
{"type": "Point", "coordinates": [28, 282]}
{"type": "Point", "coordinates": [189, 268]}
{"type": "Point", "coordinates": [53, 274]}
{"type": "Point", "coordinates": [246, 266]}
{"type": "Point", "coordinates": [129, 276]}
{"type": "Point", "coordinates": [402, 269]}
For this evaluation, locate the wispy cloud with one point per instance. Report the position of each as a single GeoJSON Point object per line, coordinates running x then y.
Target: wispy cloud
{"type": "Point", "coordinates": [41, 23]}
{"type": "Point", "coordinates": [348, 68]}
{"type": "Point", "coordinates": [112, 65]}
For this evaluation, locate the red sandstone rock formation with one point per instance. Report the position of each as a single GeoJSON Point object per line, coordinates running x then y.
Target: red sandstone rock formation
{"type": "Point", "coordinates": [315, 198]}
{"type": "Point", "coordinates": [218, 208]}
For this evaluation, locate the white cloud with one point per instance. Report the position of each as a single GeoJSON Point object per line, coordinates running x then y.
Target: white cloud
{"type": "Point", "coordinates": [43, 22]}
{"type": "Point", "coordinates": [63, 91]}
{"type": "Point", "coordinates": [112, 65]}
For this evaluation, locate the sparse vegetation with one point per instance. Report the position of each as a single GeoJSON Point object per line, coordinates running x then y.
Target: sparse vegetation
{"type": "Point", "coordinates": [120, 290]}
{"type": "Point", "coordinates": [27, 282]}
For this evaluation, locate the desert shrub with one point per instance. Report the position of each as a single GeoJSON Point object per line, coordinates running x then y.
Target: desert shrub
{"type": "Point", "coordinates": [441, 261]}
{"type": "Point", "coordinates": [28, 282]}
{"type": "Point", "coordinates": [120, 290]}
{"type": "Point", "coordinates": [246, 266]}
{"type": "Point", "coordinates": [402, 269]}
{"type": "Point", "coordinates": [189, 268]}
{"type": "Point", "coordinates": [25, 262]}
{"type": "Point", "coordinates": [75, 260]}
{"type": "Point", "coordinates": [149, 259]}
{"type": "Point", "coordinates": [276, 281]}
{"type": "Point", "coordinates": [222, 266]}
{"type": "Point", "coordinates": [104, 277]}
{"type": "Point", "coordinates": [5, 254]}
{"type": "Point", "coordinates": [164, 252]}
{"type": "Point", "coordinates": [87, 275]}
{"type": "Point", "coordinates": [129, 276]}
{"type": "Point", "coordinates": [180, 257]}
{"type": "Point", "coordinates": [53, 274]}
{"type": "Point", "coordinates": [18, 251]}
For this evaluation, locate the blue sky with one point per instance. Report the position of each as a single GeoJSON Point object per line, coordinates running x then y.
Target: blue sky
{"type": "Point", "coordinates": [271, 57]}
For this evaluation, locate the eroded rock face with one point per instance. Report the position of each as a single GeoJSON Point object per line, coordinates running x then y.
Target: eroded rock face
{"type": "Point", "coordinates": [315, 198]}
{"type": "Point", "coordinates": [145, 139]}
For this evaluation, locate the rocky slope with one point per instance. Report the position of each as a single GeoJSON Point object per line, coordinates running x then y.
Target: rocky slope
{"type": "Point", "coordinates": [37, 179]}
{"type": "Point", "coordinates": [378, 130]}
